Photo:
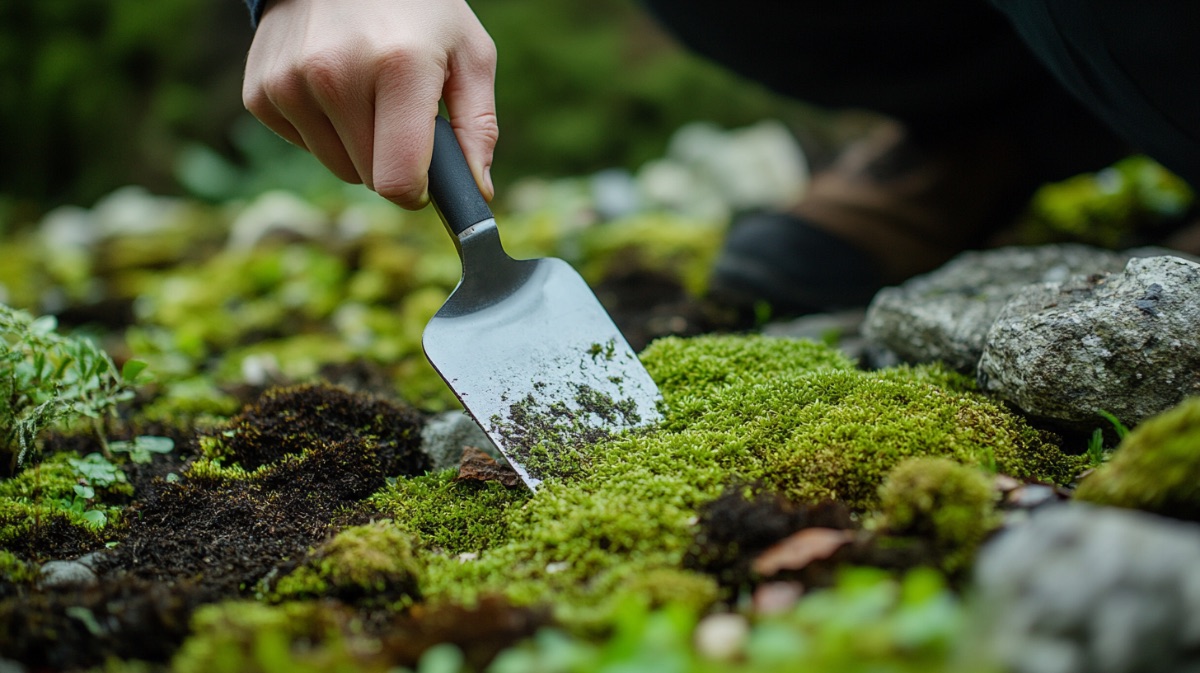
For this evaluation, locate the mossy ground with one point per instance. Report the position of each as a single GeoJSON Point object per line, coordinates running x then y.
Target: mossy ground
{"type": "Point", "coordinates": [278, 505]}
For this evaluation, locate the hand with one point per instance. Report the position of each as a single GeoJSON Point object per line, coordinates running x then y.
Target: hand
{"type": "Point", "coordinates": [357, 83]}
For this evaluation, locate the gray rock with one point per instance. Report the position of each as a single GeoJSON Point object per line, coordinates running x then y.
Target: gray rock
{"type": "Point", "coordinates": [63, 573]}
{"type": "Point", "coordinates": [1127, 343]}
{"type": "Point", "coordinates": [840, 329]}
{"type": "Point", "coordinates": [1083, 589]}
{"type": "Point", "coordinates": [446, 435]}
{"type": "Point", "coordinates": [944, 316]}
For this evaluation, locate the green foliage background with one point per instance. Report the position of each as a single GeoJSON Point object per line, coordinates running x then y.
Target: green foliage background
{"type": "Point", "coordinates": [95, 94]}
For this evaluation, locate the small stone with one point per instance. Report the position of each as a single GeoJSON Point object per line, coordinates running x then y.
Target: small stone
{"type": "Point", "coordinates": [66, 573]}
{"type": "Point", "coordinates": [446, 435]}
{"type": "Point", "coordinates": [773, 598]}
{"type": "Point", "coordinates": [721, 636]}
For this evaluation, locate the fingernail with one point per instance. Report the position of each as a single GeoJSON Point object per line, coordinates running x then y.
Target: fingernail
{"type": "Point", "coordinates": [487, 183]}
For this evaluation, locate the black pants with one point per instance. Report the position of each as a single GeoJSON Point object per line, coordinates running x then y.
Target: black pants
{"type": "Point", "coordinates": [1081, 81]}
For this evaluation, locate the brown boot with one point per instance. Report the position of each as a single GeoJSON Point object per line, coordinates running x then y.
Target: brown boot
{"type": "Point", "coordinates": [886, 210]}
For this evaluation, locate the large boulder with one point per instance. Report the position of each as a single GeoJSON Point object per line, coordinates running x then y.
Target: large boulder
{"type": "Point", "coordinates": [1126, 343]}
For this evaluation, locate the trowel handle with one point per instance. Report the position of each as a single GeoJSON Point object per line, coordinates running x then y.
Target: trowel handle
{"type": "Point", "coordinates": [451, 185]}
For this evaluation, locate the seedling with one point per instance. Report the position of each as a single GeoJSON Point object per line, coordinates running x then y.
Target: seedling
{"type": "Point", "coordinates": [48, 379]}
{"type": "Point", "coordinates": [141, 449]}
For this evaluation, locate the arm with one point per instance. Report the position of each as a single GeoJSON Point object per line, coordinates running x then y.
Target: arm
{"type": "Point", "coordinates": [357, 83]}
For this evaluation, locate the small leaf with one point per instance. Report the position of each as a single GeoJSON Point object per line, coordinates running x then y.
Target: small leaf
{"type": "Point", "coordinates": [131, 369]}
{"type": "Point", "coordinates": [154, 444]}
{"type": "Point", "coordinates": [86, 492]}
{"type": "Point", "coordinates": [95, 517]}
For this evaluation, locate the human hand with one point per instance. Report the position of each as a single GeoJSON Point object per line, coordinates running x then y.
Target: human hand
{"type": "Point", "coordinates": [357, 83]}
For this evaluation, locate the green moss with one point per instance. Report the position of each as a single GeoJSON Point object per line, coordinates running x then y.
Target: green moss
{"type": "Point", "coordinates": [950, 505]}
{"type": "Point", "coordinates": [45, 496]}
{"type": "Point", "coordinates": [249, 637]}
{"type": "Point", "coordinates": [451, 517]}
{"type": "Point", "coordinates": [682, 248]}
{"type": "Point", "coordinates": [1154, 468]}
{"type": "Point", "coordinates": [701, 366]}
{"type": "Point", "coordinates": [1108, 208]}
{"type": "Point", "coordinates": [16, 571]}
{"type": "Point", "coordinates": [374, 560]}
{"type": "Point", "coordinates": [791, 416]}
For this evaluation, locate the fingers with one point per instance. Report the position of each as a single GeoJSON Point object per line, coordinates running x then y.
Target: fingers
{"type": "Point", "coordinates": [406, 103]}
{"type": "Point", "coordinates": [358, 84]}
{"type": "Point", "coordinates": [303, 103]}
{"type": "Point", "coordinates": [470, 99]}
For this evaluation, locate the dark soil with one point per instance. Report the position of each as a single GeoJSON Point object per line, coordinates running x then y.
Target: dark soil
{"type": "Point", "coordinates": [321, 450]}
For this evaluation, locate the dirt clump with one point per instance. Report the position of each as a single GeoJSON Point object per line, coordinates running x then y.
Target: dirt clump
{"type": "Point", "coordinates": [287, 420]}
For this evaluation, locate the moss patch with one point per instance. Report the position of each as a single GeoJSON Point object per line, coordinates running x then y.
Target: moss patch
{"type": "Point", "coordinates": [42, 514]}
{"type": "Point", "coordinates": [791, 416]}
{"type": "Point", "coordinates": [1155, 468]}
{"type": "Point", "coordinates": [950, 505]}
{"type": "Point", "coordinates": [372, 561]}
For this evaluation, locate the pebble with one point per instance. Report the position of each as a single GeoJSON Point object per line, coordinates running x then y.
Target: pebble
{"type": "Point", "coordinates": [721, 636]}
{"type": "Point", "coordinates": [66, 573]}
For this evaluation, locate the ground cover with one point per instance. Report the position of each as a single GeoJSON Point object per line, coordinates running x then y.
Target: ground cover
{"type": "Point", "coordinates": [251, 493]}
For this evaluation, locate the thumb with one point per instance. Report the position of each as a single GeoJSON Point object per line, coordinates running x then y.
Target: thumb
{"type": "Point", "coordinates": [469, 94]}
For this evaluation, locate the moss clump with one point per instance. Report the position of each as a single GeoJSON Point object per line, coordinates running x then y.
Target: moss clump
{"type": "Point", "coordinates": [449, 516]}
{"type": "Point", "coordinates": [288, 421]}
{"type": "Point", "coordinates": [834, 434]}
{"type": "Point", "coordinates": [700, 366]}
{"type": "Point", "coordinates": [13, 570]}
{"type": "Point", "coordinates": [1155, 468]}
{"type": "Point", "coordinates": [374, 560]}
{"type": "Point", "coordinates": [951, 506]}
{"type": "Point", "coordinates": [249, 637]}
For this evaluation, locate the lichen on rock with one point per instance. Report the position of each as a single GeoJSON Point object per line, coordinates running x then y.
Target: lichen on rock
{"type": "Point", "coordinates": [1156, 468]}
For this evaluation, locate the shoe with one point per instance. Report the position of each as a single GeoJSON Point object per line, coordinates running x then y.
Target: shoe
{"type": "Point", "coordinates": [888, 208]}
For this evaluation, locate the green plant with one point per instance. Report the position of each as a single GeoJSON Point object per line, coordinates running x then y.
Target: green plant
{"type": "Point", "coordinates": [83, 504]}
{"type": "Point", "coordinates": [1095, 449]}
{"type": "Point", "coordinates": [1154, 468]}
{"type": "Point", "coordinates": [869, 622]}
{"type": "Point", "coordinates": [951, 506]}
{"type": "Point", "coordinates": [47, 379]}
{"type": "Point", "coordinates": [141, 449]}
{"type": "Point", "coordinates": [97, 470]}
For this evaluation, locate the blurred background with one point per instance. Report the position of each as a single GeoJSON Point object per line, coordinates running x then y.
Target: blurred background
{"type": "Point", "coordinates": [96, 94]}
{"type": "Point", "coordinates": [140, 204]}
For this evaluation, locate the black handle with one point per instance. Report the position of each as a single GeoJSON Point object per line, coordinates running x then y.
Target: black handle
{"type": "Point", "coordinates": [451, 185]}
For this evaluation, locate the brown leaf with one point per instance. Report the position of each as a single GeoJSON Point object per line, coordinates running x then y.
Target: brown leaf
{"type": "Point", "coordinates": [799, 549]}
{"type": "Point", "coordinates": [477, 465]}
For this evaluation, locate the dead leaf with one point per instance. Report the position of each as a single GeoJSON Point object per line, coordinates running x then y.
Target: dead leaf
{"type": "Point", "coordinates": [800, 549]}
{"type": "Point", "coordinates": [477, 465]}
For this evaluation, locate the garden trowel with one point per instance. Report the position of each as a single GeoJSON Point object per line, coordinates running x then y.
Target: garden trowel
{"type": "Point", "coordinates": [525, 344]}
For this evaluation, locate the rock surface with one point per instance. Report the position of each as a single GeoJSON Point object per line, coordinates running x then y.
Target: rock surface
{"type": "Point", "coordinates": [446, 435]}
{"type": "Point", "coordinates": [945, 315]}
{"type": "Point", "coordinates": [1081, 589]}
{"type": "Point", "coordinates": [1126, 343]}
